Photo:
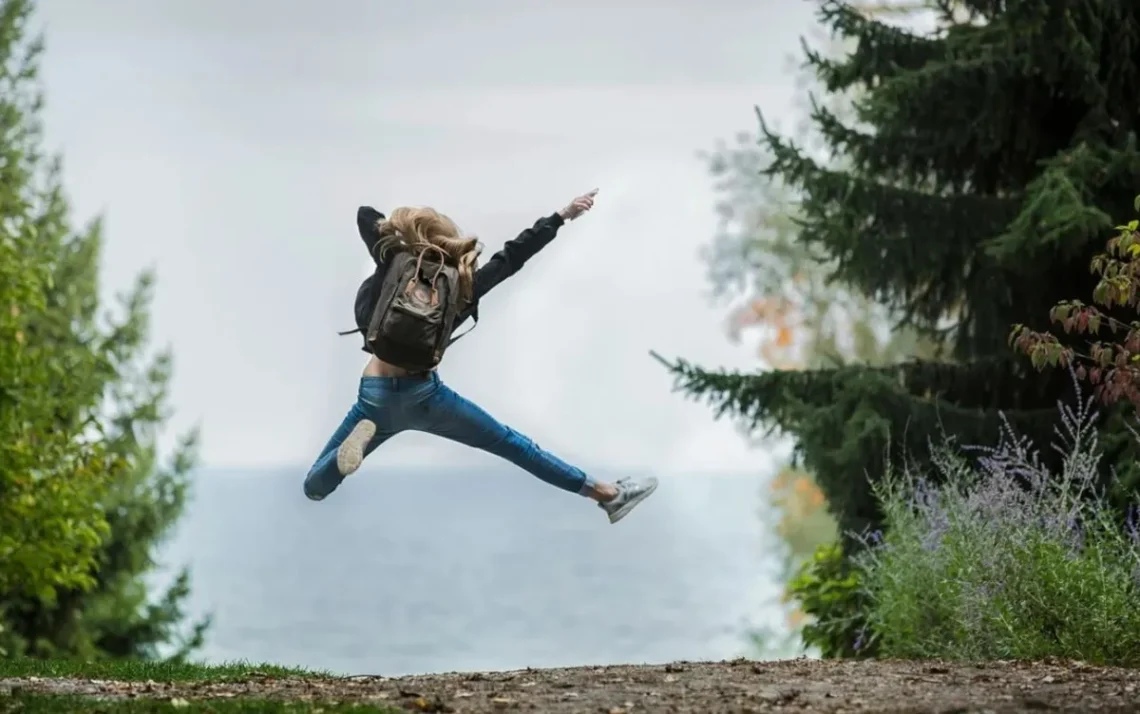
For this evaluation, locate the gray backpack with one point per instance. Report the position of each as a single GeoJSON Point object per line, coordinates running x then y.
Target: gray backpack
{"type": "Point", "coordinates": [407, 309]}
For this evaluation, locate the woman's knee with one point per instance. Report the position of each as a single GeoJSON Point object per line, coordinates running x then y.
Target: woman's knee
{"type": "Point", "coordinates": [314, 488]}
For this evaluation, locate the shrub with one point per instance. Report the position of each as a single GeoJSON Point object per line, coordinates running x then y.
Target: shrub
{"type": "Point", "coordinates": [1003, 559]}
{"type": "Point", "coordinates": [829, 590]}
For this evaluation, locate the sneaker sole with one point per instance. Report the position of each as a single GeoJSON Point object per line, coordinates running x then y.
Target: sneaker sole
{"type": "Point", "coordinates": [351, 452]}
{"type": "Point", "coordinates": [624, 510]}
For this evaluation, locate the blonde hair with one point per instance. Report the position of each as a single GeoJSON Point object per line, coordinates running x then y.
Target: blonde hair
{"type": "Point", "coordinates": [417, 228]}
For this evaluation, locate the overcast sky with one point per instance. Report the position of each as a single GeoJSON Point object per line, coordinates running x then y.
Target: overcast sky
{"type": "Point", "coordinates": [229, 143]}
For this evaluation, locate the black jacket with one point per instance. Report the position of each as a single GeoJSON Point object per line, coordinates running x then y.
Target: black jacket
{"type": "Point", "coordinates": [502, 265]}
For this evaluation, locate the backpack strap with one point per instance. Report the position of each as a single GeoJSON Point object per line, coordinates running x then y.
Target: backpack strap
{"type": "Point", "coordinates": [350, 332]}
{"type": "Point", "coordinates": [475, 321]}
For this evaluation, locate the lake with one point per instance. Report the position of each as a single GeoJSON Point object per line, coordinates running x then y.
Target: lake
{"type": "Point", "coordinates": [441, 570]}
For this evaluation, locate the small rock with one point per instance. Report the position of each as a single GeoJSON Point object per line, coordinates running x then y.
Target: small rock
{"type": "Point", "coordinates": [1048, 679]}
{"type": "Point", "coordinates": [669, 678]}
{"type": "Point", "coordinates": [502, 702]}
{"type": "Point", "coordinates": [769, 695]}
{"type": "Point", "coordinates": [430, 705]}
{"type": "Point", "coordinates": [778, 696]}
{"type": "Point", "coordinates": [179, 703]}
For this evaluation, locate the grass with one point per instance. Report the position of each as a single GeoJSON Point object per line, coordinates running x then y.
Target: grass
{"type": "Point", "coordinates": [136, 671]}
{"type": "Point", "coordinates": [999, 558]}
{"type": "Point", "coordinates": [133, 671]}
{"type": "Point", "coordinates": [39, 704]}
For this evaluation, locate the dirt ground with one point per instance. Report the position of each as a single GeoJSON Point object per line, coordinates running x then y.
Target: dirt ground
{"type": "Point", "coordinates": [803, 685]}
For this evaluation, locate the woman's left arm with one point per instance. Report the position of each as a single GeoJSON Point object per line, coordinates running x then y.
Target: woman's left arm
{"type": "Point", "coordinates": [367, 222]}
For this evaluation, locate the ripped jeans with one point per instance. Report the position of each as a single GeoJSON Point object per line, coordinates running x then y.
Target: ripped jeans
{"type": "Point", "coordinates": [424, 403]}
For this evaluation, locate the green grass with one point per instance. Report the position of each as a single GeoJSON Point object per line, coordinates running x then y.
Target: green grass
{"type": "Point", "coordinates": [28, 703]}
{"type": "Point", "coordinates": [40, 704]}
{"type": "Point", "coordinates": [135, 671]}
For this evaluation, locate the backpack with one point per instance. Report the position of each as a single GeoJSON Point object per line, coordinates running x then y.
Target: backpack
{"type": "Point", "coordinates": [406, 309]}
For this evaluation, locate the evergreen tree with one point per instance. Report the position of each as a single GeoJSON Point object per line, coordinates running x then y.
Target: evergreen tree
{"type": "Point", "coordinates": [89, 389]}
{"type": "Point", "coordinates": [801, 320]}
{"type": "Point", "coordinates": [972, 188]}
{"type": "Point", "coordinates": [52, 478]}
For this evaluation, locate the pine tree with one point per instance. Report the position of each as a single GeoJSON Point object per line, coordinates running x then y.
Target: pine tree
{"type": "Point", "coordinates": [975, 183]}
{"type": "Point", "coordinates": [88, 383]}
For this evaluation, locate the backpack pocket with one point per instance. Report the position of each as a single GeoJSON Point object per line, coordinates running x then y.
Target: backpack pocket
{"type": "Point", "coordinates": [414, 322]}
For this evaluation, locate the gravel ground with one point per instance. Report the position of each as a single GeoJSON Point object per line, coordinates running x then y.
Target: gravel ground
{"type": "Point", "coordinates": [802, 685]}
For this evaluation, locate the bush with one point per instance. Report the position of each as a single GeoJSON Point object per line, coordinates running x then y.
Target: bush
{"type": "Point", "coordinates": [830, 592]}
{"type": "Point", "coordinates": [1004, 560]}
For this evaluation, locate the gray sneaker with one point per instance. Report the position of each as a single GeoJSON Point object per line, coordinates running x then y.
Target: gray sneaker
{"type": "Point", "coordinates": [351, 452]}
{"type": "Point", "coordinates": [629, 494]}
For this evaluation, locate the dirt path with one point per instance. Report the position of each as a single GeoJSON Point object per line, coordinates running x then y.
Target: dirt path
{"type": "Point", "coordinates": [807, 686]}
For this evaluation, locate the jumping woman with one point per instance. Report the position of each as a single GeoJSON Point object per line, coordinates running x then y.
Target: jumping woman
{"type": "Point", "coordinates": [426, 285]}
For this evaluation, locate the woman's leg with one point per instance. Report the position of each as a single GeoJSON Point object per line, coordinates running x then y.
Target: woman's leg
{"type": "Point", "coordinates": [445, 413]}
{"type": "Point", "coordinates": [355, 438]}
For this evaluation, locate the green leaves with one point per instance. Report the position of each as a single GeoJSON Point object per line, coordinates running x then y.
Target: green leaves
{"type": "Point", "coordinates": [84, 496]}
{"type": "Point", "coordinates": [51, 478]}
{"type": "Point", "coordinates": [830, 591]}
{"type": "Point", "coordinates": [1113, 366]}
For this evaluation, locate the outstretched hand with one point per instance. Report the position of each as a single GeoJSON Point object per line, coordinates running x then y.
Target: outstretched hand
{"type": "Point", "coordinates": [578, 206]}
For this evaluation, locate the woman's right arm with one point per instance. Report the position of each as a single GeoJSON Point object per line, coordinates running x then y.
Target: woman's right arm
{"type": "Point", "coordinates": [367, 218]}
{"type": "Point", "coordinates": [518, 251]}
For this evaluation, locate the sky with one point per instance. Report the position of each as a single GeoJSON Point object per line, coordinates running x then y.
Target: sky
{"type": "Point", "coordinates": [228, 145]}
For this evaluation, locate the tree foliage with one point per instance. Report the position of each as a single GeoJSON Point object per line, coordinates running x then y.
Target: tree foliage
{"type": "Point", "coordinates": [84, 499]}
{"type": "Point", "coordinates": [1105, 343]}
{"type": "Point", "coordinates": [53, 474]}
{"type": "Point", "coordinates": [783, 299]}
{"type": "Point", "coordinates": [968, 194]}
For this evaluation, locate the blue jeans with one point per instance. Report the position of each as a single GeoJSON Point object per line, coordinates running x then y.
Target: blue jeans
{"type": "Point", "coordinates": [424, 403]}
